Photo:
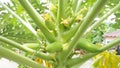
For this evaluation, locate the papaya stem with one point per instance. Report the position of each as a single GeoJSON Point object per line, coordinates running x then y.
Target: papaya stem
{"type": "Point", "coordinates": [25, 23]}
{"type": "Point", "coordinates": [38, 19]}
{"type": "Point", "coordinates": [85, 24]}
{"type": "Point", "coordinates": [6, 53]}
{"type": "Point", "coordinates": [81, 60]}
{"type": "Point", "coordinates": [24, 48]}
{"type": "Point", "coordinates": [103, 18]}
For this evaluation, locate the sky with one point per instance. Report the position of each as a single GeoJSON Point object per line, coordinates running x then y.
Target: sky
{"type": "Point", "coordinates": [4, 63]}
{"type": "Point", "coordinates": [4, 0]}
{"type": "Point", "coordinates": [9, 0]}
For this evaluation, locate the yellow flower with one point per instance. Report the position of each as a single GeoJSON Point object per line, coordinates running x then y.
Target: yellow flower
{"type": "Point", "coordinates": [39, 60]}
{"type": "Point", "coordinates": [65, 22]}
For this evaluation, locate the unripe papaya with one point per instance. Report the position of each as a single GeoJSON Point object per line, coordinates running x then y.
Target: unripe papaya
{"type": "Point", "coordinates": [84, 44]}
{"type": "Point", "coordinates": [54, 47]}
{"type": "Point", "coordinates": [31, 45]}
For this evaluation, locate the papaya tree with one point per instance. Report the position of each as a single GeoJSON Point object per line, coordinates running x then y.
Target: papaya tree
{"type": "Point", "coordinates": [47, 34]}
